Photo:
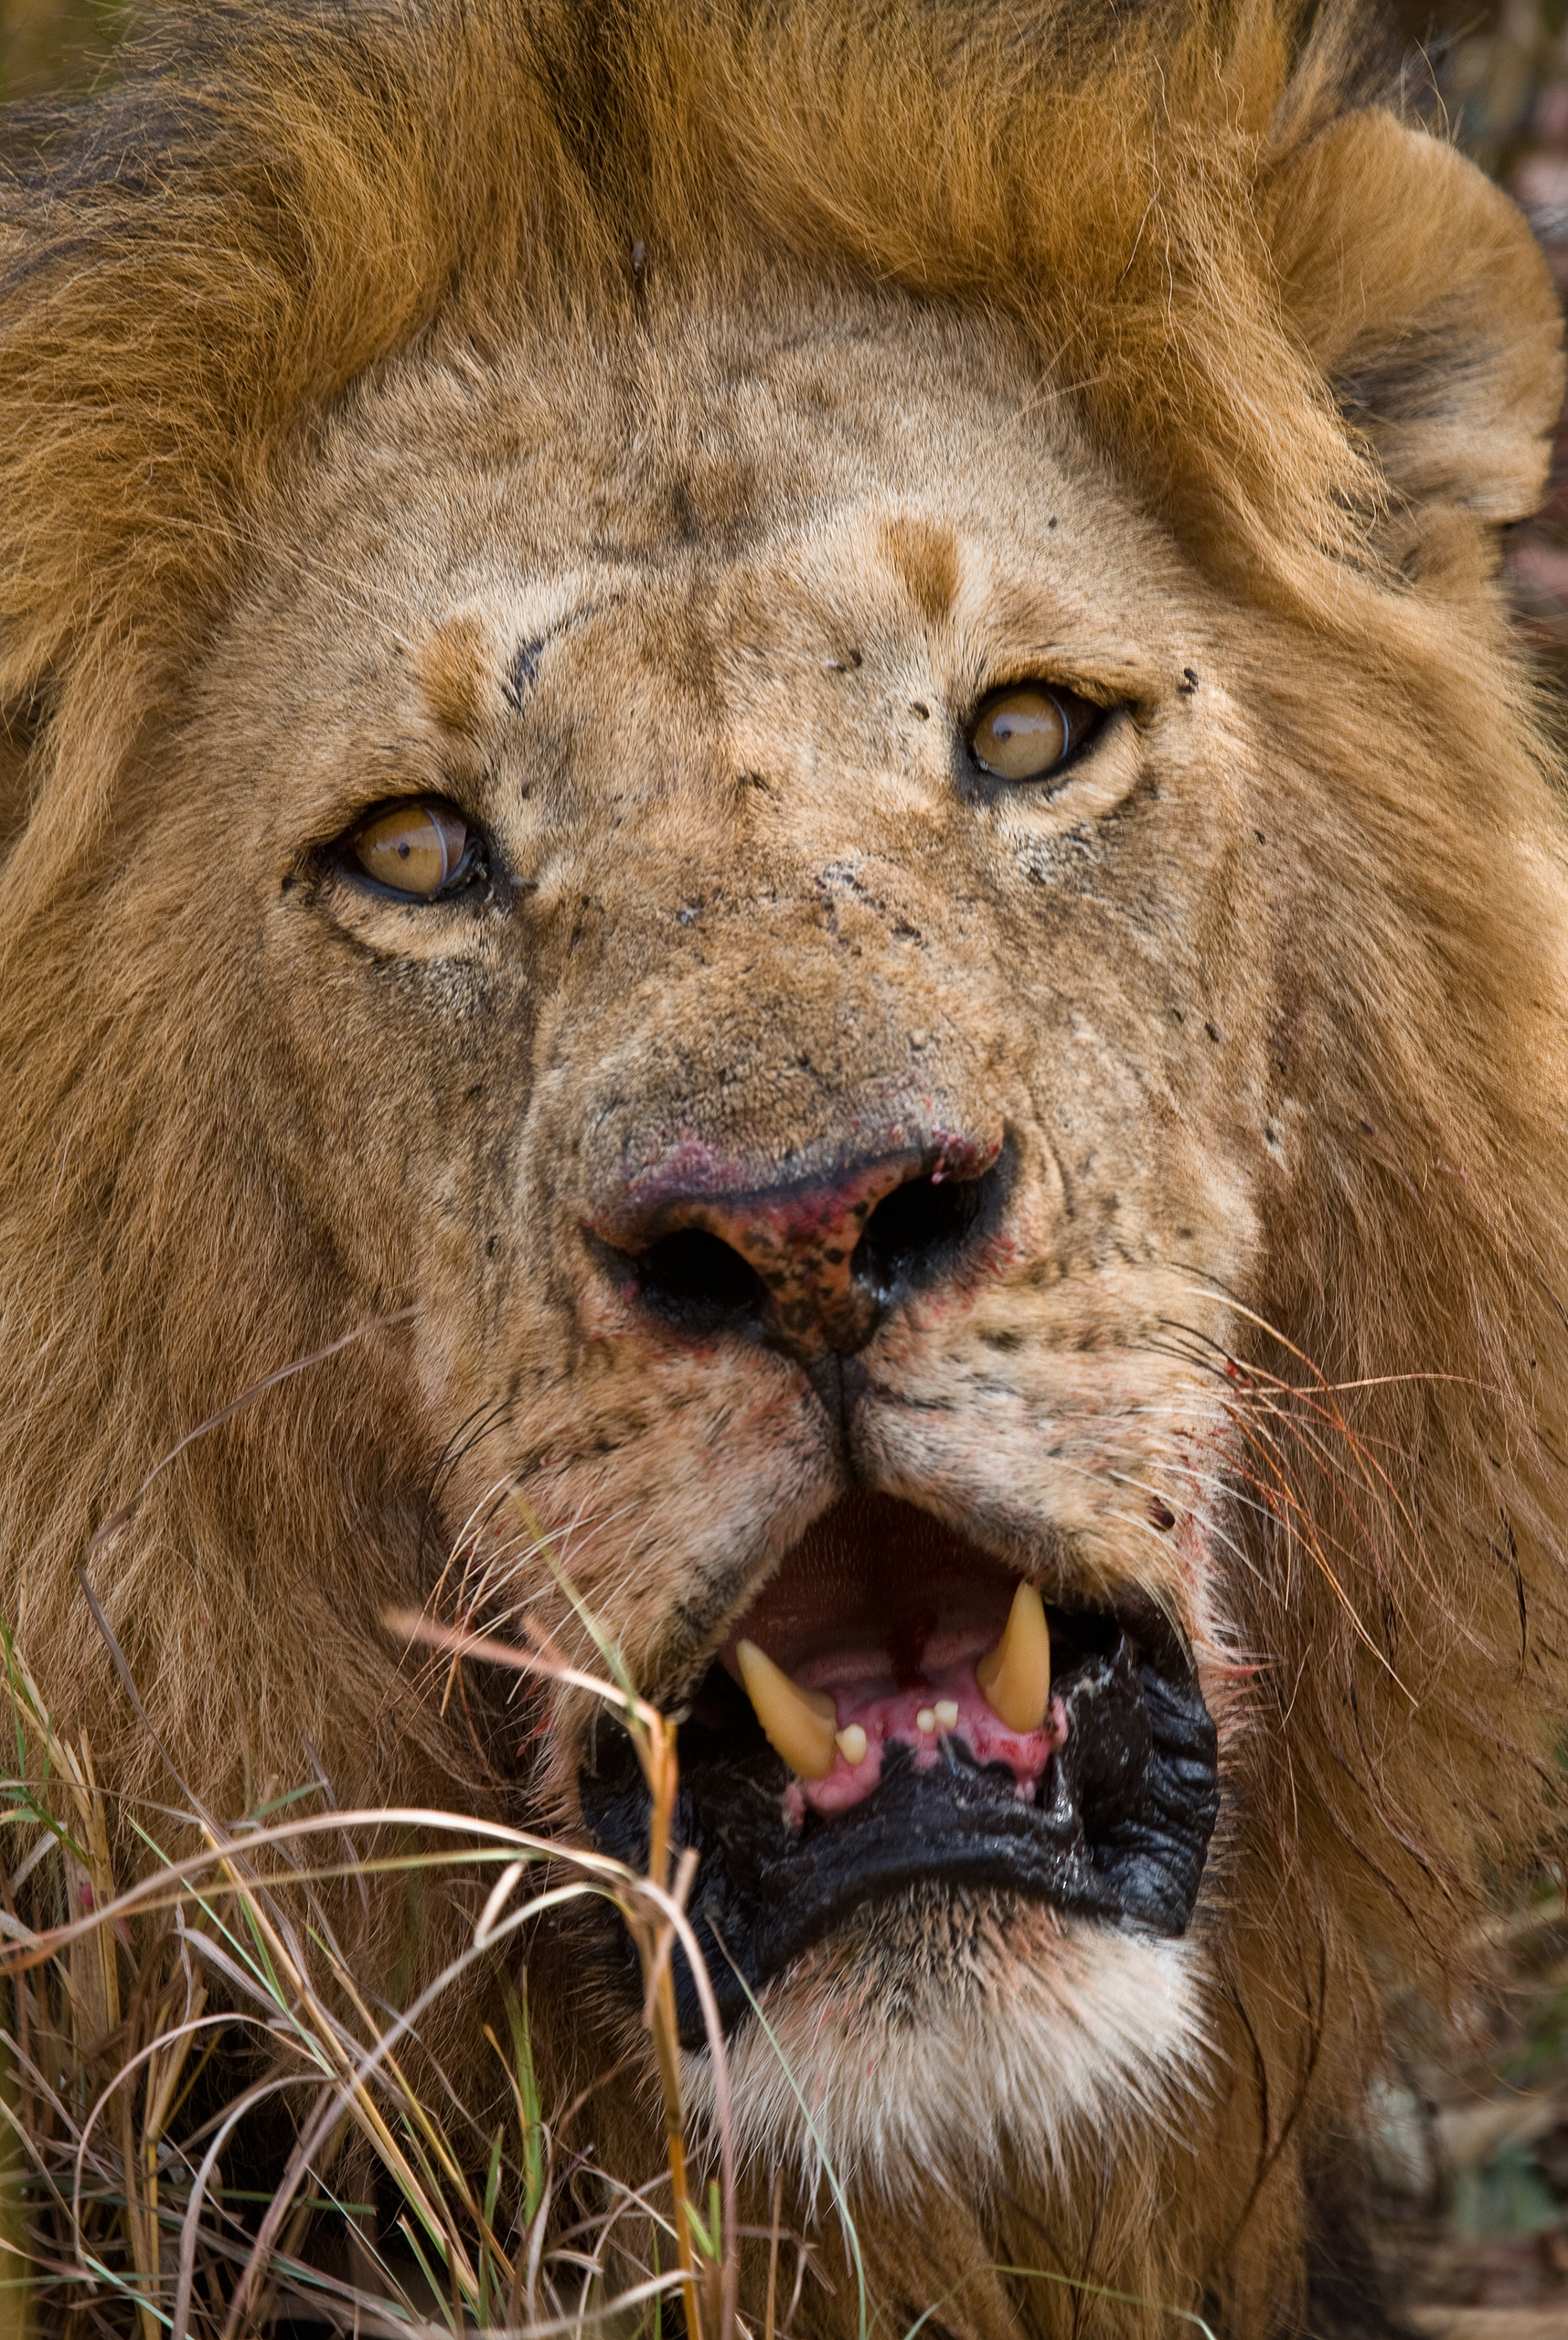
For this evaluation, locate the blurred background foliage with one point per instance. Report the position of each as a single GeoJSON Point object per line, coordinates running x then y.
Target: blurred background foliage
{"type": "Point", "coordinates": [47, 45]}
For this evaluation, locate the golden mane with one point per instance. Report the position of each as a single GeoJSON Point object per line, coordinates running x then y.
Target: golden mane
{"type": "Point", "coordinates": [201, 267]}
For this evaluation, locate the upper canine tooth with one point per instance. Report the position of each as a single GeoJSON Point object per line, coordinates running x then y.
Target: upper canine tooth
{"type": "Point", "coordinates": [1014, 1677]}
{"type": "Point", "coordinates": [797, 1723]}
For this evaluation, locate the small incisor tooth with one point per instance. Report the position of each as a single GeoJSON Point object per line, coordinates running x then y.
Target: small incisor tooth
{"type": "Point", "coordinates": [797, 1723]}
{"type": "Point", "coordinates": [1014, 1677]}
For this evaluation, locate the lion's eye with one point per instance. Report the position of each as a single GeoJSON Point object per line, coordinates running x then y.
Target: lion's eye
{"type": "Point", "coordinates": [1025, 731]}
{"type": "Point", "coordinates": [420, 848]}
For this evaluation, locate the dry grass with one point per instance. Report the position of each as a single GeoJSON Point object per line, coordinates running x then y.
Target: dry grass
{"type": "Point", "coordinates": [150, 2027]}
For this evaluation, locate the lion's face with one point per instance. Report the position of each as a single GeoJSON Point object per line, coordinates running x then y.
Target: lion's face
{"type": "Point", "coordinates": [822, 1165]}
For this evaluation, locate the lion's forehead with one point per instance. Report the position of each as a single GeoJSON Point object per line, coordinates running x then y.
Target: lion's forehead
{"type": "Point", "coordinates": [873, 479]}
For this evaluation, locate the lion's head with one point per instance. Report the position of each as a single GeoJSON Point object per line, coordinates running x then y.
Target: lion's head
{"type": "Point", "coordinates": [781, 742]}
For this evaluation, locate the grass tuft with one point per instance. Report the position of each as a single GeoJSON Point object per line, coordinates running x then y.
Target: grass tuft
{"type": "Point", "coordinates": [147, 2032]}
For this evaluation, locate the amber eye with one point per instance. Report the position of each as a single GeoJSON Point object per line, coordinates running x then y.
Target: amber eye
{"type": "Point", "coordinates": [1025, 731]}
{"type": "Point", "coordinates": [420, 848]}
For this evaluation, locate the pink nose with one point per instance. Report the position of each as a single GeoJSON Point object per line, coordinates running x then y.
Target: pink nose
{"type": "Point", "coordinates": [809, 1266]}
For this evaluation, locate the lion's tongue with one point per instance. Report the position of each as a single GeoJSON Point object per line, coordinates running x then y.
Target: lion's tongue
{"type": "Point", "coordinates": [945, 1706]}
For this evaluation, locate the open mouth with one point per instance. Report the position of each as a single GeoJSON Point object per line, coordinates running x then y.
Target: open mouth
{"type": "Point", "coordinates": [898, 1709]}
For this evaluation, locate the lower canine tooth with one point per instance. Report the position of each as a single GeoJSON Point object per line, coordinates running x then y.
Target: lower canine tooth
{"type": "Point", "coordinates": [1014, 1677]}
{"type": "Point", "coordinates": [852, 1745]}
{"type": "Point", "coordinates": [797, 1723]}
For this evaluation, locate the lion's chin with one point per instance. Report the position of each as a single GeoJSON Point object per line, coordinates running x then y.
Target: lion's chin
{"type": "Point", "coordinates": [1098, 1804]}
{"type": "Point", "coordinates": [933, 2032]}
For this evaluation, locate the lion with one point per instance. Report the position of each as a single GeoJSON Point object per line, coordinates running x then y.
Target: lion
{"type": "Point", "coordinates": [770, 839]}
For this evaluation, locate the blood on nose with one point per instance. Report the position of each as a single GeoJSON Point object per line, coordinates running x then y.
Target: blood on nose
{"type": "Point", "coordinates": [809, 1266]}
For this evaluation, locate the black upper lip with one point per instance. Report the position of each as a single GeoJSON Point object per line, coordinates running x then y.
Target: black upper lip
{"type": "Point", "coordinates": [1118, 1829]}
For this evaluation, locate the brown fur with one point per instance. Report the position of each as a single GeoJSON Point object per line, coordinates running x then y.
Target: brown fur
{"type": "Point", "coordinates": [778, 374]}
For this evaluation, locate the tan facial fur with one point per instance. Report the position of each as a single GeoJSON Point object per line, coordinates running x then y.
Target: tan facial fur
{"type": "Point", "coordinates": [674, 539]}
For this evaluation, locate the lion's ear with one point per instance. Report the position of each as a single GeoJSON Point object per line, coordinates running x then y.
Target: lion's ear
{"type": "Point", "coordinates": [1426, 301]}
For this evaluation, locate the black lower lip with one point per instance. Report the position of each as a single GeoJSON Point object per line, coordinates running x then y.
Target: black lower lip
{"type": "Point", "coordinates": [1119, 1830]}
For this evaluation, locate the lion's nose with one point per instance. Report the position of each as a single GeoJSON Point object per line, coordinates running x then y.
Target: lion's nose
{"type": "Point", "coordinates": [812, 1264]}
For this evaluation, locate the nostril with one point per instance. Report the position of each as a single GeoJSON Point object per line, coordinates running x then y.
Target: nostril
{"type": "Point", "coordinates": [698, 1279]}
{"type": "Point", "coordinates": [914, 1231]}
{"type": "Point", "coordinates": [912, 1223]}
{"type": "Point", "coordinates": [809, 1264]}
